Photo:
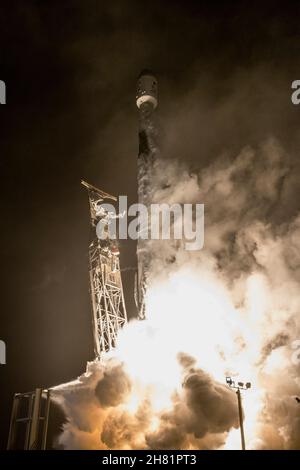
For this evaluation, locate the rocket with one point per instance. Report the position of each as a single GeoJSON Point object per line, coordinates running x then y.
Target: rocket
{"type": "Point", "coordinates": [146, 101]}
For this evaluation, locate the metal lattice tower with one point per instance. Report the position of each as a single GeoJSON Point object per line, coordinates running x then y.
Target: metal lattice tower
{"type": "Point", "coordinates": [109, 312]}
{"type": "Point", "coordinates": [29, 420]}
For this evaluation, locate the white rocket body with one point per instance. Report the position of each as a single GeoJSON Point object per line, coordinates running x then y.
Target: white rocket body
{"type": "Point", "coordinates": [146, 101]}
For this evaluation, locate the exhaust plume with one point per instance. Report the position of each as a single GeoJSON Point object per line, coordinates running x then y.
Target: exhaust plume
{"type": "Point", "coordinates": [229, 309]}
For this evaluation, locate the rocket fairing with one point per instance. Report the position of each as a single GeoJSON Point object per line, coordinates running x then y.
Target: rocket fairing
{"type": "Point", "coordinates": [146, 101]}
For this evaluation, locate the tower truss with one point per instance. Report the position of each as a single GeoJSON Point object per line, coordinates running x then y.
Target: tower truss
{"type": "Point", "coordinates": [29, 420]}
{"type": "Point", "coordinates": [108, 305]}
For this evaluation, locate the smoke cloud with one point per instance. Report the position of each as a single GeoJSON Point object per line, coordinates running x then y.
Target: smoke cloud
{"type": "Point", "coordinates": [229, 309]}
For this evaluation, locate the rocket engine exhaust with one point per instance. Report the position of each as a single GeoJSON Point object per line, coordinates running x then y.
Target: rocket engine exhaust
{"type": "Point", "coordinates": [146, 101]}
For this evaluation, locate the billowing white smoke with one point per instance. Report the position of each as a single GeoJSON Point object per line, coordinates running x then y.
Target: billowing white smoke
{"type": "Point", "coordinates": [229, 309]}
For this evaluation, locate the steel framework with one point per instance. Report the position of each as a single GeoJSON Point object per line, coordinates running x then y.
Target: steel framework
{"type": "Point", "coordinates": [108, 305]}
{"type": "Point", "coordinates": [34, 408]}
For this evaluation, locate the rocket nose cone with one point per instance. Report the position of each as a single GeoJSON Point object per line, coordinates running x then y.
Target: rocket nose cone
{"type": "Point", "coordinates": [146, 72]}
{"type": "Point", "coordinates": [146, 89]}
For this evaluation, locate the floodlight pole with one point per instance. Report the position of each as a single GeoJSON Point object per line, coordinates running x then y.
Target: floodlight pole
{"type": "Point", "coordinates": [240, 386]}
{"type": "Point", "coordinates": [239, 397]}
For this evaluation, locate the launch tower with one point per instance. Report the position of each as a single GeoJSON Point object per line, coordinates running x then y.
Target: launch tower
{"type": "Point", "coordinates": [29, 420]}
{"type": "Point", "coordinates": [108, 306]}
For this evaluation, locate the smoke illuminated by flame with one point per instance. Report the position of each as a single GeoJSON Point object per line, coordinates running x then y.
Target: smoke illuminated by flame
{"type": "Point", "coordinates": [230, 310]}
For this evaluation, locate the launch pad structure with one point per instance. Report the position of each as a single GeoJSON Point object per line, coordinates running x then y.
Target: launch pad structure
{"type": "Point", "coordinates": [30, 411]}
{"type": "Point", "coordinates": [29, 420]}
{"type": "Point", "coordinates": [106, 289]}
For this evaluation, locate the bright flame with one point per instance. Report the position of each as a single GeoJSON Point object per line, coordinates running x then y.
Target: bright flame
{"type": "Point", "coordinates": [191, 312]}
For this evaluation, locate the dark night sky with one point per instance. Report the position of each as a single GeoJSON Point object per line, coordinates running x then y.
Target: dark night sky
{"type": "Point", "coordinates": [70, 67]}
